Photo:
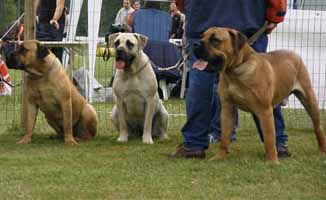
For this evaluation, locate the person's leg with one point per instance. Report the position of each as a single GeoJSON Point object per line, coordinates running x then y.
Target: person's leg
{"type": "Point", "coordinates": [47, 32]}
{"type": "Point", "coordinates": [198, 106]}
{"type": "Point", "coordinates": [281, 138]}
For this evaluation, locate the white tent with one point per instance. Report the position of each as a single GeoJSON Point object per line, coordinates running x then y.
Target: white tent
{"type": "Point", "coordinates": [94, 16]}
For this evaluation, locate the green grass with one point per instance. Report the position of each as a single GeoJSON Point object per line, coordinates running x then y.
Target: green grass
{"type": "Point", "coordinates": [106, 169]}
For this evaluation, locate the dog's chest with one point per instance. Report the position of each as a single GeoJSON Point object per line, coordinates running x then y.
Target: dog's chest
{"type": "Point", "coordinates": [133, 93]}
{"type": "Point", "coordinates": [132, 87]}
{"type": "Point", "coordinates": [45, 99]}
{"type": "Point", "coordinates": [236, 93]}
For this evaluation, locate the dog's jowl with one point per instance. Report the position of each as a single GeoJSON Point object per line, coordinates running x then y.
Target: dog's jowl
{"type": "Point", "coordinates": [49, 89]}
{"type": "Point", "coordinates": [255, 82]}
{"type": "Point", "coordinates": [138, 111]}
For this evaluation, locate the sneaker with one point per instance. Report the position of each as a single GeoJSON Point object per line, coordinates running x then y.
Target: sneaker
{"type": "Point", "coordinates": [283, 152]}
{"type": "Point", "coordinates": [215, 138]}
{"type": "Point", "coordinates": [184, 152]}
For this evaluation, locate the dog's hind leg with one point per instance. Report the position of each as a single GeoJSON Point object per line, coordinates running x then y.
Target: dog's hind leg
{"type": "Point", "coordinates": [309, 101]}
{"type": "Point", "coordinates": [86, 127]}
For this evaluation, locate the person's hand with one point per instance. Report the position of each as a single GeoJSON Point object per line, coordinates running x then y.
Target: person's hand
{"type": "Point", "coordinates": [270, 27]}
{"type": "Point", "coordinates": [54, 23]}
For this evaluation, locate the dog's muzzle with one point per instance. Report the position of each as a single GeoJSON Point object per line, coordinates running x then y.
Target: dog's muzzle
{"type": "Point", "coordinates": [123, 59]}
{"type": "Point", "coordinates": [214, 64]}
{"type": "Point", "coordinates": [13, 63]}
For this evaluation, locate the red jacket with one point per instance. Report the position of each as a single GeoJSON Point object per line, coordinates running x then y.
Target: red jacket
{"type": "Point", "coordinates": [276, 10]}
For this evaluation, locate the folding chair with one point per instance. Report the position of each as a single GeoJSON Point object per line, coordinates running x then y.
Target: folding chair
{"type": "Point", "coordinates": [156, 25]}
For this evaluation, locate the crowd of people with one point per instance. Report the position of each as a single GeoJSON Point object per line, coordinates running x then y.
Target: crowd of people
{"type": "Point", "coordinates": [125, 15]}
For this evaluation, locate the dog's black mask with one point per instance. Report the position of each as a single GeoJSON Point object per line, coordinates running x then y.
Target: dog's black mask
{"type": "Point", "coordinates": [214, 64]}
{"type": "Point", "coordinates": [13, 63]}
{"type": "Point", "coordinates": [122, 55]}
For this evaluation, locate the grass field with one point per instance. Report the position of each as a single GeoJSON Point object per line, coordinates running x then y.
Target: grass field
{"type": "Point", "coordinates": [106, 169]}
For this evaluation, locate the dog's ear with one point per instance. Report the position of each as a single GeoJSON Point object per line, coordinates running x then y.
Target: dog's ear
{"type": "Point", "coordinates": [112, 37]}
{"type": "Point", "coordinates": [42, 51]}
{"type": "Point", "coordinates": [142, 40]}
{"type": "Point", "coordinates": [238, 40]}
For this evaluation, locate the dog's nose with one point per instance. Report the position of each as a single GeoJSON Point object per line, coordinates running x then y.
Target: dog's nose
{"type": "Point", "coordinates": [119, 51]}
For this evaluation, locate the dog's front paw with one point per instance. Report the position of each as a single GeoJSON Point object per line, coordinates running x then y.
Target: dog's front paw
{"type": "Point", "coordinates": [123, 138]}
{"type": "Point", "coordinates": [25, 140]}
{"type": "Point", "coordinates": [148, 140]}
{"type": "Point", "coordinates": [219, 155]}
{"type": "Point", "coordinates": [71, 142]}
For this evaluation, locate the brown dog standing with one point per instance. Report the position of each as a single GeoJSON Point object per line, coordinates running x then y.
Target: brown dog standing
{"type": "Point", "coordinates": [255, 82]}
{"type": "Point", "coordinates": [49, 89]}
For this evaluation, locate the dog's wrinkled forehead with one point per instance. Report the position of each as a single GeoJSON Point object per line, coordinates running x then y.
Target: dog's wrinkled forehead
{"type": "Point", "coordinates": [29, 45]}
{"type": "Point", "coordinates": [128, 40]}
{"type": "Point", "coordinates": [216, 34]}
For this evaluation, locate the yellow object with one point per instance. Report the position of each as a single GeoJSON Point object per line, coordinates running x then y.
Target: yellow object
{"type": "Point", "coordinates": [100, 51]}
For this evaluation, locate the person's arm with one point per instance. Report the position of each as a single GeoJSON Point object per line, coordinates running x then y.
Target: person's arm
{"type": "Point", "coordinates": [276, 10]}
{"type": "Point", "coordinates": [20, 33]}
{"type": "Point", "coordinates": [58, 13]}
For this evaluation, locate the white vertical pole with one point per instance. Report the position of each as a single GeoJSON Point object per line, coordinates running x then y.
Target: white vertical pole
{"type": "Point", "coordinates": [94, 16]}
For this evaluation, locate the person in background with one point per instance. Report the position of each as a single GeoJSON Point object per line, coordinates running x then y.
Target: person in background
{"type": "Point", "coordinates": [177, 21]}
{"type": "Point", "coordinates": [51, 22]}
{"type": "Point", "coordinates": [130, 18]}
{"type": "Point", "coordinates": [121, 17]}
{"type": "Point", "coordinates": [67, 18]}
{"type": "Point", "coordinates": [202, 103]}
{"type": "Point", "coordinates": [5, 89]}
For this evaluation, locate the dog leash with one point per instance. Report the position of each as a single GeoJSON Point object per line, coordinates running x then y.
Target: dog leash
{"type": "Point", "coordinates": [255, 36]}
{"type": "Point", "coordinates": [251, 40]}
{"type": "Point", "coordinates": [12, 26]}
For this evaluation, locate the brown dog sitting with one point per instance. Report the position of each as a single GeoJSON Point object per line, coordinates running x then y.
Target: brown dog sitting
{"type": "Point", "coordinates": [255, 82]}
{"type": "Point", "coordinates": [49, 89]}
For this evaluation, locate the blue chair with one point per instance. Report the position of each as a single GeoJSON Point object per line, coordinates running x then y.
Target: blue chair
{"type": "Point", "coordinates": [153, 23]}
{"type": "Point", "coordinates": [156, 25]}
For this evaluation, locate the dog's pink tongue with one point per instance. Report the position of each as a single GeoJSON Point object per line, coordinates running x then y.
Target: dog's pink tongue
{"type": "Point", "coordinates": [120, 64]}
{"type": "Point", "coordinates": [200, 65]}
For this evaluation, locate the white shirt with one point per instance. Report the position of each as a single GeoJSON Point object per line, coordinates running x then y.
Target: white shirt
{"type": "Point", "coordinates": [121, 17]}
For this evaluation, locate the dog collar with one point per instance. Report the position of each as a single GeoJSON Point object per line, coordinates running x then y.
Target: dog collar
{"type": "Point", "coordinates": [141, 69]}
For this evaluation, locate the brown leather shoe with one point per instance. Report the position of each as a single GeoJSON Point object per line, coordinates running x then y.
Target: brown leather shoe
{"type": "Point", "coordinates": [184, 152]}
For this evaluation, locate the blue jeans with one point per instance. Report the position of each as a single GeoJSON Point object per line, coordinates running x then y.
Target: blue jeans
{"type": "Point", "coordinates": [47, 32]}
{"type": "Point", "coordinates": [203, 106]}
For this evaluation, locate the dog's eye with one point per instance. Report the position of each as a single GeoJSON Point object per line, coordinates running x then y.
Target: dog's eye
{"type": "Point", "coordinates": [215, 41]}
{"type": "Point", "coordinates": [129, 44]}
{"type": "Point", "coordinates": [117, 43]}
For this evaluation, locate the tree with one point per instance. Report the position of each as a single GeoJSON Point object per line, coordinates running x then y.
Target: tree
{"type": "Point", "coordinates": [9, 12]}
